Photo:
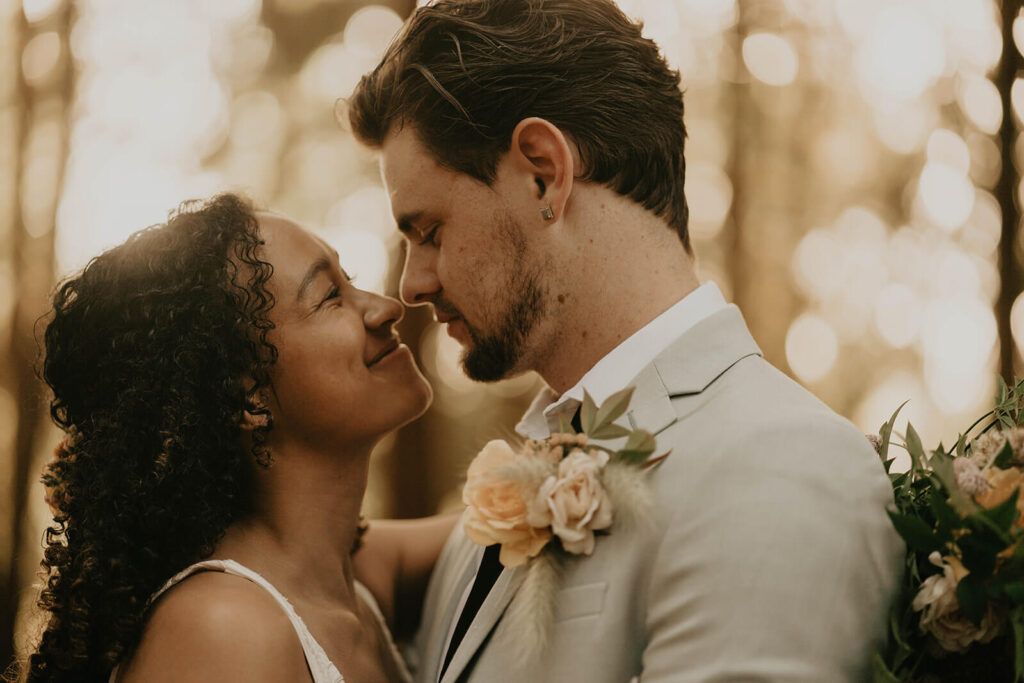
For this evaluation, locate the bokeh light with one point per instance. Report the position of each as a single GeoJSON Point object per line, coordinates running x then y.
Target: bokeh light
{"type": "Point", "coordinates": [770, 58]}
{"type": "Point", "coordinates": [811, 347]}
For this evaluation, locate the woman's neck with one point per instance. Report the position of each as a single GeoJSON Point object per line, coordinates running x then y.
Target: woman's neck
{"type": "Point", "coordinates": [304, 523]}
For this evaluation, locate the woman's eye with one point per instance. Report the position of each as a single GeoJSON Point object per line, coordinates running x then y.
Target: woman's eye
{"type": "Point", "coordinates": [332, 294]}
{"type": "Point", "coordinates": [430, 237]}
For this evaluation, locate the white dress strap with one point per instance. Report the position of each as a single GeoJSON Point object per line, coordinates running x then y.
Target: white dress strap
{"type": "Point", "coordinates": [320, 666]}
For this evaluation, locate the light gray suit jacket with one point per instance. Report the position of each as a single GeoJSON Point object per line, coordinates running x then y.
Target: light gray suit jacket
{"type": "Point", "coordinates": [771, 557]}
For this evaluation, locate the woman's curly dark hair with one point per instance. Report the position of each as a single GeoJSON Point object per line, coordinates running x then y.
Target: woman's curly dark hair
{"type": "Point", "coordinates": [154, 350]}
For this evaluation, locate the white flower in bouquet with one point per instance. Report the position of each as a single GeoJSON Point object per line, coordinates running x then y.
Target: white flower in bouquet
{"type": "Point", "coordinates": [940, 610]}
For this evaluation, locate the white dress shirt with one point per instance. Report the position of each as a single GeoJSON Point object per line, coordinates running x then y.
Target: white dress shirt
{"type": "Point", "coordinates": [624, 362]}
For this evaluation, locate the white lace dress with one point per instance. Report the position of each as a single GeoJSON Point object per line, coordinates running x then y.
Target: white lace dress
{"type": "Point", "coordinates": [322, 669]}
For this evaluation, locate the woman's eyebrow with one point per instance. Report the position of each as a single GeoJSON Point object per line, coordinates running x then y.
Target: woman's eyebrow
{"type": "Point", "coordinates": [319, 266]}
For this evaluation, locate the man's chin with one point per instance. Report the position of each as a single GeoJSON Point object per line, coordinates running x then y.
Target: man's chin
{"type": "Point", "coordinates": [487, 363]}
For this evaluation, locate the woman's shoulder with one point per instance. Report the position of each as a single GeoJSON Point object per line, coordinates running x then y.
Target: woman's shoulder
{"type": "Point", "coordinates": [216, 626]}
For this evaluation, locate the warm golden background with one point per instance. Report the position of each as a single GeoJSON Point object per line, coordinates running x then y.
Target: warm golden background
{"type": "Point", "coordinates": [851, 176]}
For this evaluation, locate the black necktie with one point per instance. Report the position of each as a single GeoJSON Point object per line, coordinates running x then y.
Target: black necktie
{"type": "Point", "coordinates": [490, 568]}
{"type": "Point", "coordinates": [575, 421]}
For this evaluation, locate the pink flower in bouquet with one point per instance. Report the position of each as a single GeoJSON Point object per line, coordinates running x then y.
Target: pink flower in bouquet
{"type": "Point", "coordinates": [987, 446]}
{"type": "Point", "coordinates": [969, 477]}
{"type": "Point", "coordinates": [940, 610]}
{"type": "Point", "coordinates": [577, 501]}
{"type": "Point", "coordinates": [497, 510]}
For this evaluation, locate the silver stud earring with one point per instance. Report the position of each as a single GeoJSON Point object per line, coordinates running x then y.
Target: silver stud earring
{"type": "Point", "coordinates": [546, 213]}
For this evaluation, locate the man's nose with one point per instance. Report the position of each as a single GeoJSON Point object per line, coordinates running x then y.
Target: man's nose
{"type": "Point", "coordinates": [419, 276]}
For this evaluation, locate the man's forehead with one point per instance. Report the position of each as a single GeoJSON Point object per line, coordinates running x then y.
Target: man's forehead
{"type": "Point", "coordinates": [404, 156]}
{"type": "Point", "coordinates": [410, 172]}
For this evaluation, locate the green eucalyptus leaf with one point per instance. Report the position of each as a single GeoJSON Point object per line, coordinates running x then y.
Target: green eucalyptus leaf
{"type": "Point", "coordinates": [886, 432]}
{"type": "Point", "coordinates": [631, 457]}
{"type": "Point", "coordinates": [970, 593]}
{"type": "Point", "coordinates": [613, 408]}
{"type": "Point", "coordinates": [1017, 622]}
{"type": "Point", "coordinates": [914, 447]}
{"type": "Point", "coordinates": [588, 413]}
{"type": "Point", "coordinates": [915, 532]}
{"type": "Point", "coordinates": [1004, 514]}
{"type": "Point", "coordinates": [941, 464]}
{"type": "Point", "coordinates": [1005, 456]}
{"type": "Point", "coordinates": [945, 515]}
{"type": "Point", "coordinates": [1014, 590]}
{"type": "Point", "coordinates": [641, 440]}
{"type": "Point", "coordinates": [610, 431]}
{"type": "Point", "coordinates": [880, 672]}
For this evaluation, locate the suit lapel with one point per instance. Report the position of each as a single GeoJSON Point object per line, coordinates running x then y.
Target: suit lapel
{"type": "Point", "coordinates": [493, 607]}
{"type": "Point", "coordinates": [464, 572]}
{"type": "Point", "coordinates": [688, 366]}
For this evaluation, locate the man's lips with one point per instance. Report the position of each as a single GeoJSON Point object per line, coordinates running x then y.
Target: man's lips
{"type": "Point", "coordinates": [392, 344]}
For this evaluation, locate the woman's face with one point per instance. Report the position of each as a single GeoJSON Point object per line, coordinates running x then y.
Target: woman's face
{"type": "Point", "coordinates": [342, 374]}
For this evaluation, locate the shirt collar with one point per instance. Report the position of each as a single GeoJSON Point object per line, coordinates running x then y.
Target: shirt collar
{"type": "Point", "coordinates": [624, 362]}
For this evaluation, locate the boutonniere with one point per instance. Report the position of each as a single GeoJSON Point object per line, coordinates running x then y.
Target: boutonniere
{"type": "Point", "coordinates": [549, 499]}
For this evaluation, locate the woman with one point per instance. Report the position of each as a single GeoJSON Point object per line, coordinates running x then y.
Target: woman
{"type": "Point", "coordinates": [222, 383]}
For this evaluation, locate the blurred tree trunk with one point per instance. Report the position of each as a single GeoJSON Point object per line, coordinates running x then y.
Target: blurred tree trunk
{"type": "Point", "coordinates": [769, 135]}
{"type": "Point", "coordinates": [1006, 192]}
{"type": "Point", "coordinates": [41, 98]}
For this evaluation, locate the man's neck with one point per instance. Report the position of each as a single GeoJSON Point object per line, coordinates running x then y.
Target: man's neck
{"type": "Point", "coordinates": [624, 277]}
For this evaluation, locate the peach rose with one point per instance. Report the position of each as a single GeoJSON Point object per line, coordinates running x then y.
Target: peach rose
{"type": "Point", "coordinates": [496, 507]}
{"type": "Point", "coordinates": [940, 610]}
{"type": "Point", "coordinates": [577, 501]}
{"type": "Point", "coordinates": [1003, 483]}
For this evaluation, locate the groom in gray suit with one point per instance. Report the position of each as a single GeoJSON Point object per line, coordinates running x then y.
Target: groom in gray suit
{"type": "Point", "coordinates": [533, 154]}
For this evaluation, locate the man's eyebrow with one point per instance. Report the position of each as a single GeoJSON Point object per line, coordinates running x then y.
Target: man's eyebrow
{"type": "Point", "coordinates": [318, 267]}
{"type": "Point", "coordinates": [406, 220]}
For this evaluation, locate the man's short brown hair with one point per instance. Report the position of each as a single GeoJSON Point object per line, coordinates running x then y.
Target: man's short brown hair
{"type": "Point", "coordinates": [464, 73]}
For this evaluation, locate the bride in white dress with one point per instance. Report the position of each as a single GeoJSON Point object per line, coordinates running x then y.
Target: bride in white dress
{"type": "Point", "coordinates": [223, 383]}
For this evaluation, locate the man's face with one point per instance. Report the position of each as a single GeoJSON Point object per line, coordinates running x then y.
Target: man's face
{"type": "Point", "coordinates": [467, 255]}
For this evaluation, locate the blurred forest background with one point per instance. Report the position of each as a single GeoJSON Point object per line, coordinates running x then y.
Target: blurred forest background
{"type": "Point", "coordinates": [852, 175]}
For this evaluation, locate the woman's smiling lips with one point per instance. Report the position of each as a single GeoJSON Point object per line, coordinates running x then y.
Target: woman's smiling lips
{"type": "Point", "coordinates": [392, 344]}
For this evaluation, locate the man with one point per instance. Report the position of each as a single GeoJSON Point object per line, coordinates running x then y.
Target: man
{"type": "Point", "coordinates": [533, 154]}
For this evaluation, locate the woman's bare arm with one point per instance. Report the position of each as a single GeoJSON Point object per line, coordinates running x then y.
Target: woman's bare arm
{"type": "Point", "coordinates": [395, 563]}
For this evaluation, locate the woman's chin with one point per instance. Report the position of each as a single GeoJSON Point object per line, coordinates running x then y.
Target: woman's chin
{"type": "Point", "coordinates": [426, 398]}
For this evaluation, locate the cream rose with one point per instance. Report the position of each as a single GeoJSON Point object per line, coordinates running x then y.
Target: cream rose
{"type": "Point", "coordinates": [496, 507]}
{"type": "Point", "coordinates": [940, 610]}
{"type": "Point", "coordinates": [577, 501]}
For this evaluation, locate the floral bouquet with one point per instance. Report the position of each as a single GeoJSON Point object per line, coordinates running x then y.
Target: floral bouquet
{"type": "Point", "coordinates": [549, 499]}
{"type": "Point", "coordinates": [960, 613]}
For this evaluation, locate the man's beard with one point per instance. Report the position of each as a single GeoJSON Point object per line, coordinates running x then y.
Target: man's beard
{"type": "Point", "coordinates": [495, 355]}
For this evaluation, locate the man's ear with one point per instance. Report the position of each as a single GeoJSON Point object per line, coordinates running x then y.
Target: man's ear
{"type": "Point", "coordinates": [541, 150]}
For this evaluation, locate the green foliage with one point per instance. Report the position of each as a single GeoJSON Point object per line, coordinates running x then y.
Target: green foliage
{"type": "Point", "coordinates": [932, 514]}
{"type": "Point", "coordinates": [598, 422]}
